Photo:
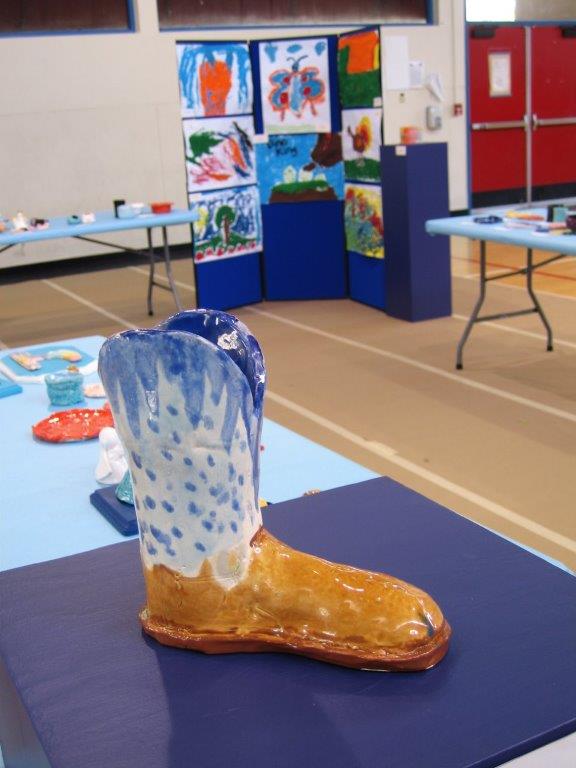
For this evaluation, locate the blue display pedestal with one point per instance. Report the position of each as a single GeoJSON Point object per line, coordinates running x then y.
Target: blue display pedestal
{"type": "Point", "coordinates": [228, 283]}
{"type": "Point", "coordinates": [414, 189]}
{"type": "Point", "coordinates": [304, 250]}
{"type": "Point", "coordinates": [82, 687]}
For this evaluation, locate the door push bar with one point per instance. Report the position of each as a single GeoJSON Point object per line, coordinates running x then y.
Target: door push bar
{"type": "Point", "coordinates": [534, 120]}
{"type": "Point", "coordinates": [544, 121]}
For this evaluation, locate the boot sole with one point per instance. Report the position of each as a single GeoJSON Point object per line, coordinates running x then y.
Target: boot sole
{"type": "Point", "coordinates": [425, 657]}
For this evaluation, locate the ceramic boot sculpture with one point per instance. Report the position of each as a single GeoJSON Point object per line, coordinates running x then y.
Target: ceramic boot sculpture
{"type": "Point", "coordinates": [187, 400]}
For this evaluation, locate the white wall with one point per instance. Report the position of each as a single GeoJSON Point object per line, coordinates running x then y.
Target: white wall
{"type": "Point", "coordinates": [442, 49]}
{"type": "Point", "coordinates": [89, 118]}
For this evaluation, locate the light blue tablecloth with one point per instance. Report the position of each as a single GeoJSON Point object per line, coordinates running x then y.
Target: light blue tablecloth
{"type": "Point", "coordinates": [464, 226]}
{"type": "Point", "coordinates": [46, 512]}
{"type": "Point", "coordinates": [105, 222]}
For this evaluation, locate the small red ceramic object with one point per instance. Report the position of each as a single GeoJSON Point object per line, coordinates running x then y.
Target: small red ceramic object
{"type": "Point", "coordinates": [161, 207]}
{"type": "Point", "coordinates": [73, 425]}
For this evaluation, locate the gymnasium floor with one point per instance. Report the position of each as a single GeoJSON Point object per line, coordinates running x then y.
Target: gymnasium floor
{"type": "Point", "coordinates": [495, 442]}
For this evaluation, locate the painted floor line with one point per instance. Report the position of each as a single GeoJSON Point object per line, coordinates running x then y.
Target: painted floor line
{"type": "Point", "coordinates": [522, 288]}
{"type": "Point", "coordinates": [389, 454]}
{"type": "Point", "coordinates": [476, 275]}
{"type": "Point", "coordinates": [457, 378]}
{"type": "Point", "coordinates": [406, 360]}
{"type": "Point", "coordinates": [499, 326]}
{"type": "Point", "coordinates": [177, 283]}
{"type": "Point", "coordinates": [538, 336]}
{"type": "Point", "coordinates": [89, 304]}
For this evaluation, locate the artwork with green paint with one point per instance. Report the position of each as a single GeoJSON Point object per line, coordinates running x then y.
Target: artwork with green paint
{"type": "Point", "coordinates": [361, 141]}
{"type": "Point", "coordinates": [300, 168]}
{"type": "Point", "coordinates": [219, 152]}
{"type": "Point", "coordinates": [359, 69]}
{"type": "Point", "coordinates": [363, 220]}
{"type": "Point", "coordinates": [228, 223]}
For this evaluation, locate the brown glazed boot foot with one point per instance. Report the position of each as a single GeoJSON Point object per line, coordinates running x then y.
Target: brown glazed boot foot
{"type": "Point", "coordinates": [292, 602]}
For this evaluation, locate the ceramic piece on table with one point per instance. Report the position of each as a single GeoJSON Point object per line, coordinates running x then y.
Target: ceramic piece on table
{"type": "Point", "coordinates": [125, 212]}
{"type": "Point", "coordinates": [74, 219]}
{"type": "Point", "coordinates": [94, 390]}
{"type": "Point", "coordinates": [39, 224]}
{"type": "Point", "coordinates": [28, 361]}
{"type": "Point", "coordinates": [88, 218]}
{"type": "Point", "coordinates": [125, 490]}
{"type": "Point", "coordinates": [187, 398]}
{"type": "Point", "coordinates": [112, 464]}
{"type": "Point", "coordinates": [73, 425]}
{"type": "Point", "coordinates": [70, 355]}
{"type": "Point", "coordinates": [161, 207]}
{"type": "Point", "coordinates": [20, 222]}
{"type": "Point", "coordinates": [65, 387]}
{"type": "Point", "coordinates": [140, 209]}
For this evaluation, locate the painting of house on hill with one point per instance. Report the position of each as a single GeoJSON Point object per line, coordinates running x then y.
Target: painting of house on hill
{"type": "Point", "coordinates": [300, 168]}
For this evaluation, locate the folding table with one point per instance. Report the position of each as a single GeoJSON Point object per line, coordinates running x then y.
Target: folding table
{"type": "Point", "coordinates": [107, 222]}
{"type": "Point", "coordinates": [521, 235]}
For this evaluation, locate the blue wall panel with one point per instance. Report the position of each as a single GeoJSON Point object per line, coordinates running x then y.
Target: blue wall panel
{"type": "Point", "coordinates": [229, 283]}
{"type": "Point", "coordinates": [304, 255]}
{"type": "Point", "coordinates": [367, 278]}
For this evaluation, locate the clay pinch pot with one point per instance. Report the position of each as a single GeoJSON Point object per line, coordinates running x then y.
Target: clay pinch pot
{"type": "Point", "coordinates": [73, 425]}
{"type": "Point", "coordinates": [162, 207]}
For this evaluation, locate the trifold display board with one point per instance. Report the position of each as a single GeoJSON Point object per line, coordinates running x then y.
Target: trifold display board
{"type": "Point", "coordinates": [282, 143]}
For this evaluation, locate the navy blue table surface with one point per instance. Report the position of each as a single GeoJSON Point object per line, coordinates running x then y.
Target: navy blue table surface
{"type": "Point", "coordinates": [100, 693]}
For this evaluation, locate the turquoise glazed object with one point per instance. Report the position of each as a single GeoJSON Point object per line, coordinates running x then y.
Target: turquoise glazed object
{"type": "Point", "coordinates": [124, 490]}
{"type": "Point", "coordinates": [65, 387]}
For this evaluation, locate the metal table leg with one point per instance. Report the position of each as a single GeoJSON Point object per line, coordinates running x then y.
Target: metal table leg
{"type": "Point", "coordinates": [529, 270]}
{"type": "Point", "coordinates": [152, 259]}
{"type": "Point", "coordinates": [477, 308]}
{"type": "Point", "coordinates": [169, 270]}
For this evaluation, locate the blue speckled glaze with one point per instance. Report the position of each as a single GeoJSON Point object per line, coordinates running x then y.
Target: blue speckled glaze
{"type": "Point", "coordinates": [187, 399]}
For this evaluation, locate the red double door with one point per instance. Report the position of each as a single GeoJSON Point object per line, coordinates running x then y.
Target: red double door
{"type": "Point", "coordinates": [522, 113]}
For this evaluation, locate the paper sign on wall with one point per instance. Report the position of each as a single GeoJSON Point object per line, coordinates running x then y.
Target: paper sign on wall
{"type": "Point", "coordinates": [396, 63]}
{"type": "Point", "coordinates": [499, 74]}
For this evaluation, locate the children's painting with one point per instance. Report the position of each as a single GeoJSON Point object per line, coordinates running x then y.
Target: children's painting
{"type": "Point", "coordinates": [363, 220]}
{"type": "Point", "coordinates": [298, 168]}
{"type": "Point", "coordinates": [215, 79]}
{"type": "Point", "coordinates": [229, 223]}
{"type": "Point", "coordinates": [219, 152]}
{"type": "Point", "coordinates": [361, 140]}
{"type": "Point", "coordinates": [295, 85]}
{"type": "Point", "coordinates": [359, 69]}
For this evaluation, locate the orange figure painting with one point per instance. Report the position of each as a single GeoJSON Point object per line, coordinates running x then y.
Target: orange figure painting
{"type": "Point", "coordinates": [215, 79]}
{"type": "Point", "coordinates": [215, 84]}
